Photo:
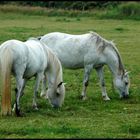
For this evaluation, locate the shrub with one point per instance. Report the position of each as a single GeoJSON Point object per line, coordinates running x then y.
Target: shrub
{"type": "Point", "coordinates": [130, 9]}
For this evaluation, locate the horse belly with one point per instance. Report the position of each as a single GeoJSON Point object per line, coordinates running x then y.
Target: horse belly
{"type": "Point", "coordinates": [72, 65]}
{"type": "Point", "coordinates": [71, 60]}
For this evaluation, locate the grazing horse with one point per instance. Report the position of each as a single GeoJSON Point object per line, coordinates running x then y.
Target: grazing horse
{"type": "Point", "coordinates": [25, 60]}
{"type": "Point", "coordinates": [89, 51]}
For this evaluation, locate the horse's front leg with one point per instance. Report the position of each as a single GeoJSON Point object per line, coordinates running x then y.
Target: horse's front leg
{"type": "Point", "coordinates": [38, 80]}
{"type": "Point", "coordinates": [87, 71]}
{"type": "Point", "coordinates": [102, 83]}
{"type": "Point", "coordinates": [43, 87]}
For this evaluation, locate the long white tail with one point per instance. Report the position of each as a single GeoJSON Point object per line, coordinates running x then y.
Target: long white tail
{"type": "Point", "coordinates": [6, 65]}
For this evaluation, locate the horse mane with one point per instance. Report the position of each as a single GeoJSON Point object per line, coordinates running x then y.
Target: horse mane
{"type": "Point", "coordinates": [121, 66]}
{"type": "Point", "coordinates": [100, 42]}
{"type": "Point", "coordinates": [53, 59]}
{"type": "Point", "coordinates": [103, 43]}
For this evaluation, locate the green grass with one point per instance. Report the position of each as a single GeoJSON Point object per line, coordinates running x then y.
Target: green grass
{"type": "Point", "coordinates": [93, 118]}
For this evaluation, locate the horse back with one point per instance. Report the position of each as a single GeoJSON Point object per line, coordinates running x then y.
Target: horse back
{"type": "Point", "coordinates": [17, 48]}
{"type": "Point", "coordinates": [72, 50]}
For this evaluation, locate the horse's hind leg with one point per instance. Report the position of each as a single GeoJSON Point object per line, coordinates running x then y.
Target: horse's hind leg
{"type": "Point", "coordinates": [88, 69]}
{"type": "Point", "coordinates": [22, 93]}
{"type": "Point", "coordinates": [20, 87]}
{"type": "Point", "coordinates": [102, 83]}
{"type": "Point", "coordinates": [16, 91]}
{"type": "Point", "coordinates": [38, 79]}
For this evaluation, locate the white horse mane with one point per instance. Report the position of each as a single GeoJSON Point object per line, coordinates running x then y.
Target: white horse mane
{"type": "Point", "coordinates": [105, 43]}
{"type": "Point", "coordinates": [53, 58]}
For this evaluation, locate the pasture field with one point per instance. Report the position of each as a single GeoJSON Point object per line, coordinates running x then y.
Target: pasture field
{"type": "Point", "coordinates": [92, 118]}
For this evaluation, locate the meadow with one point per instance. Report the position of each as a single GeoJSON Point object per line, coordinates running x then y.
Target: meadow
{"type": "Point", "coordinates": [92, 118]}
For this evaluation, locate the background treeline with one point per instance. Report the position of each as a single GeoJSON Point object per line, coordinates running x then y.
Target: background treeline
{"type": "Point", "coordinates": [68, 5]}
{"type": "Point", "coordinates": [98, 9]}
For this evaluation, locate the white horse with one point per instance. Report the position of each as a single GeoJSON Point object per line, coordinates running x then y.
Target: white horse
{"type": "Point", "coordinates": [25, 60]}
{"type": "Point", "coordinates": [89, 51]}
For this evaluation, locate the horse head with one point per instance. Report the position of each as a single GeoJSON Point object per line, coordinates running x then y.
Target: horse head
{"type": "Point", "coordinates": [122, 83]}
{"type": "Point", "coordinates": [56, 95]}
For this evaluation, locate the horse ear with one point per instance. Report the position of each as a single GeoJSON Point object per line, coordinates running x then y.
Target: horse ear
{"type": "Point", "coordinates": [61, 84]}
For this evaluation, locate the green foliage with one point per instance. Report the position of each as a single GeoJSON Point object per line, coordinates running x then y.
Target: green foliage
{"type": "Point", "coordinates": [130, 9]}
{"type": "Point", "coordinates": [126, 10]}
{"type": "Point", "coordinates": [102, 10]}
{"type": "Point", "coordinates": [73, 5]}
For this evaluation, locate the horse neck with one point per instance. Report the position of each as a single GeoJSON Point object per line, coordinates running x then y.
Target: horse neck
{"type": "Point", "coordinates": [54, 71]}
{"type": "Point", "coordinates": [115, 64]}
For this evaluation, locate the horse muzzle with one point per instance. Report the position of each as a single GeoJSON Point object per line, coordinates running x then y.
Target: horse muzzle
{"type": "Point", "coordinates": [124, 95]}
{"type": "Point", "coordinates": [55, 106]}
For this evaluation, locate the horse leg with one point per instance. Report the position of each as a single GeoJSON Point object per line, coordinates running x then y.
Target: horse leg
{"type": "Point", "coordinates": [43, 92]}
{"type": "Point", "coordinates": [20, 87]}
{"type": "Point", "coordinates": [16, 91]}
{"type": "Point", "coordinates": [38, 79]}
{"type": "Point", "coordinates": [102, 83]}
{"type": "Point", "coordinates": [22, 93]}
{"type": "Point", "coordinates": [88, 69]}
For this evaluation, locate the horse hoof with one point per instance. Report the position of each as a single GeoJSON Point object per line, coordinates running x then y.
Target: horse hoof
{"type": "Point", "coordinates": [46, 97]}
{"type": "Point", "coordinates": [13, 110]}
{"type": "Point", "coordinates": [35, 107]}
{"type": "Point", "coordinates": [83, 98]}
{"type": "Point", "coordinates": [19, 114]}
{"type": "Point", "coordinates": [42, 94]}
{"type": "Point", "coordinates": [106, 98]}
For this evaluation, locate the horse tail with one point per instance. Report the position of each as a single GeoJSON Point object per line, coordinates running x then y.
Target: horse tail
{"type": "Point", "coordinates": [6, 65]}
